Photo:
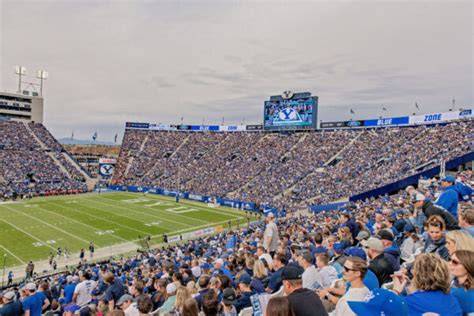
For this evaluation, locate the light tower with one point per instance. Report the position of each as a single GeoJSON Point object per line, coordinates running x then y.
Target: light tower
{"type": "Point", "coordinates": [42, 75]}
{"type": "Point", "coordinates": [20, 71]}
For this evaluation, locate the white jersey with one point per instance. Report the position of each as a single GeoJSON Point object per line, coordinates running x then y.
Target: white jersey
{"type": "Point", "coordinates": [84, 292]}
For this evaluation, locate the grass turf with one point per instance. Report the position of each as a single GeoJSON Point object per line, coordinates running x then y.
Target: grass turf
{"type": "Point", "coordinates": [31, 230]}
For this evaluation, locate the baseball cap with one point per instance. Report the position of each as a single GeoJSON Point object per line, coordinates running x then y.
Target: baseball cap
{"type": "Point", "coordinates": [9, 295]}
{"type": "Point", "coordinates": [270, 214]}
{"type": "Point", "coordinates": [305, 254]}
{"type": "Point", "coordinates": [419, 197]}
{"type": "Point", "coordinates": [373, 243]}
{"type": "Point", "coordinates": [30, 286]}
{"type": "Point", "coordinates": [229, 296]}
{"type": "Point", "coordinates": [356, 252]}
{"type": "Point", "coordinates": [75, 278]}
{"type": "Point", "coordinates": [245, 279]}
{"type": "Point", "coordinates": [409, 228]}
{"type": "Point", "coordinates": [449, 179]}
{"type": "Point", "coordinates": [171, 288]}
{"type": "Point", "coordinates": [362, 235]}
{"type": "Point", "coordinates": [291, 273]}
{"type": "Point", "coordinates": [124, 298]}
{"type": "Point", "coordinates": [338, 247]}
{"type": "Point", "coordinates": [385, 235]}
{"type": "Point", "coordinates": [380, 302]}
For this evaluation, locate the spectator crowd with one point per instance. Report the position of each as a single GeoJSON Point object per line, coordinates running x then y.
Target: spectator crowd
{"type": "Point", "coordinates": [411, 253]}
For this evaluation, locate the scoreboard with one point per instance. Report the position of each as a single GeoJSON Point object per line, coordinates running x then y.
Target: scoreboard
{"type": "Point", "coordinates": [290, 111]}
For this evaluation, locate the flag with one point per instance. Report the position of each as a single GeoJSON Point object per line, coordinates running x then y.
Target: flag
{"type": "Point", "coordinates": [115, 138]}
{"type": "Point", "coordinates": [416, 105]}
{"type": "Point", "coordinates": [384, 109]}
{"type": "Point", "coordinates": [352, 111]}
{"type": "Point", "coordinates": [94, 137]}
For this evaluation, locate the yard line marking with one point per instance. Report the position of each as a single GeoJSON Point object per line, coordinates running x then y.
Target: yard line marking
{"type": "Point", "coordinates": [143, 213]}
{"type": "Point", "coordinates": [104, 219]}
{"type": "Point", "coordinates": [13, 255]}
{"type": "Point", "coordinates": [57, 228]}
{"type": "Point", "coordinates": [192, 204]}
{"type": "Point", "coordinates": [164, 211]}
{"type": "Point", "coordinates": [81, 223]}
{"type": "Point", "coordinates": [27, 233]}
{"type": "Point", "coordinates": [121, 215]}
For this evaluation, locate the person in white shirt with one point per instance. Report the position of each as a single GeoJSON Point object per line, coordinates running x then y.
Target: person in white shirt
{"type": "Point", "coordinates": [261, 254]}
{"type": "Point", "coordinates": [270, 236]}
{"type": "Point", "coordinates": [354, 272]}
{"type": "Point", "coordinates": [83, 291]}
{"type": "Point", "coordinates": [311, 278]}
{"type": "Point", "coordinates": [328, 273]}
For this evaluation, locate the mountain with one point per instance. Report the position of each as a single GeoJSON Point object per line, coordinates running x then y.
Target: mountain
{"type": "Point", "coordinates": [69, 141]}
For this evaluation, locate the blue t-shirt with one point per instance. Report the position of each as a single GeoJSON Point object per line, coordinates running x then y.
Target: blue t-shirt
{"type": "Point", "coordinates": [69, 292]}
{"type": "Point", "coordinates": [275, 280]}
{"type": "Point", "coordinates": [114, 291]}
{"type": "Point", "coordinates": [422, 302]}
{"type": "Point", "coordinates": [34, 303]}
{"type": "Point", "coordinates": [465, 299]}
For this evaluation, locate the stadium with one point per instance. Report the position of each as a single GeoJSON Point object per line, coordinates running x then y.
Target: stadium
{"type": "Point", "coordinates": [300, 212]}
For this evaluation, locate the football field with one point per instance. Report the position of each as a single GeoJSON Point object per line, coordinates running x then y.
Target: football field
{"type": "Point", "coordinates": [31, 230]}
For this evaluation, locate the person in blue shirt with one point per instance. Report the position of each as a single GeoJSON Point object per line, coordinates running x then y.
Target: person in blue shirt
{"type": "Point", "coordinates": [448, 199]}
{"type": "Point", "coordinates": [114, 290]}
{"type": "Point", "coordinates": [429, 288]}
{"type": "Point", "coordinates": [461, 266]}
{"type": "Point", "coordinates": [69, 289]}
{"type": "Point", "coordinates": [275, 281]}
{"type": "Point", "coordinates": [246, 292]}
{"type": "Point", "coordinates": [10, 278]}
{"type": "Point", "coordinates": [10, 306]}
{"type": "Point", "coordinates": [35, 302]}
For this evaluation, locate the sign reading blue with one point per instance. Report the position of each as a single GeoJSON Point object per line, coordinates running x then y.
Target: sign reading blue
{"type": "Point", "coordinates": [387, 121]}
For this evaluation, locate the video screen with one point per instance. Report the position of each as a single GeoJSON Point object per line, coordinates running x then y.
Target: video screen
{"type": "Point", "coordinates": [292, 112]}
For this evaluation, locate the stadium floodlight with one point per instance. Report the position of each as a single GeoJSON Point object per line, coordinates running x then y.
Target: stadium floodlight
{"type": "Point", "coordinates": [42, 75]}
{"type": "Point", "coordinates": [20, 71]}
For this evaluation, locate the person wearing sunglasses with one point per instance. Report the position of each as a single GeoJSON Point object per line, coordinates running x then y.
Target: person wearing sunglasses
{"type": "Point", "coordinates": [354, 270]}
{"type": "Point", "coordinates": [429, 290]}
{"type": "Point", "coordinates": [461, 267]}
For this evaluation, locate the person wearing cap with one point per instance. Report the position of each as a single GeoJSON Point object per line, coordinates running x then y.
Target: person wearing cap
{"type": "Point", "coordinates": [243, 300]}
{"type": "Point", "coordinates": [68, 291]}
{"type": "Point", "coordinates": [429, 209]}
{"type": "Point", "coordinates": [391, 252]}
{"type": "Point", "coordinates": [270, 236]}
{"type": "Point", "coordinates": [127, 305]}
{"type": "Point", "coordinates": [170, 302]}
{"type": "Point", "coordinates": [449, 197]}
{"type": "Point", "coordinates": [411, 244]}
{"type": "Point", "coordinates": [311, 278]}
{"type": "Point", "coordinates": [35, 302]}
{"type": "Point", "coordinates": [378, 263]}
{"type": "Point", "coordinates": [10, 306]}
{"type": "Point", "coordinates": [380, 302]}
{"type": "Point", "coordinates": [362, 235]}
{"type": "Point", "coordinates": [304, 302]}
{"type": "Point", "coordinates": [228, 301]}
{"type": "Point", "coordinates": [220, 268]}
{"type": "Point", "coordinates": [354, 272]}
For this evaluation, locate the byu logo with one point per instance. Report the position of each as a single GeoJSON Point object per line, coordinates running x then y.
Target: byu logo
{"type": "Point", "coordinates": [287, 114]}
{"type": "Point", "coordinates": [106, 170]}
{"type": "Point", "coordinates": [287, 95]}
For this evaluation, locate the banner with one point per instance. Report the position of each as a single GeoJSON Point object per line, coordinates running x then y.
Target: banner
{"type": "Point", "coordinates": [254, 127]}
{"type": "Point", "coordinates": [342, 124]}
{"type": "Point", "coordinates": [387, 121]}
{"type": "Point", "coordinates": [434, 118]}
{"type": "Point", "coordinates": [466, 114]}
{"type": "Point", "coordinates": [232, 128]}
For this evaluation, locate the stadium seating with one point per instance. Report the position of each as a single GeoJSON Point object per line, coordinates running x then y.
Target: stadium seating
{"type": "Point", "coordinates": [32, 161]}
{"type": "Point", "coordinates": [286, 171]}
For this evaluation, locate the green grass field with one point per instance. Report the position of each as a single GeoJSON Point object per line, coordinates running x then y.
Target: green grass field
{"type": "Point", "coordinates": [31, 230]}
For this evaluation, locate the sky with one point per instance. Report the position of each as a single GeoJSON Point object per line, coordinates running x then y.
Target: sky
{"type": "Point", "coordinates": [207, 61]}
